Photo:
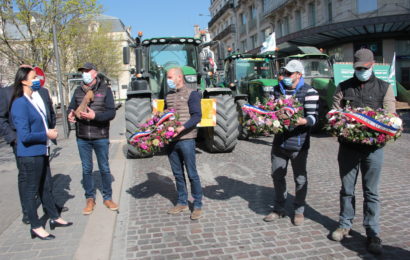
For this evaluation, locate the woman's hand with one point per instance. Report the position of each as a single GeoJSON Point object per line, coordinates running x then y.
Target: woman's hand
{"type": "Point", "coordinates": [52, 134]}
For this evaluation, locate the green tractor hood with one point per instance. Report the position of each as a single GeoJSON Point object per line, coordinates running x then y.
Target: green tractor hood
{"type": "Point", "coordinates": [264, 82]}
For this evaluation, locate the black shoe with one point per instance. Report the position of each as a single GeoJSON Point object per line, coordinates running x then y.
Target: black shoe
{"type": "Point", "coordinates": [54, 224]}
{"type": "Point", "coordinates": [25, 220]}
{"type": "Point", "coordinates": [374, 245]}
{"type": "Point", "coordinates": [34, 235]}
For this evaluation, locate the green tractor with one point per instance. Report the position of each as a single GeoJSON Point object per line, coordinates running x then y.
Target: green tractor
{"type": "Point", "coordinates": [148, 88]}
{"type": "Point", "coordinates": [251, 77]}
{"type": "Point", "coordinates": [318, 74]}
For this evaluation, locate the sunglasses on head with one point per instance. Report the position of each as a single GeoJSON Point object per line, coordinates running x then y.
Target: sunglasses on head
{"type": "Point", "coordinates": [361, 68]}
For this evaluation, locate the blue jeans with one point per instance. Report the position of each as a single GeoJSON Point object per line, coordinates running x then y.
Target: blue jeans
{"type": "Point", "coordinates": [37, 181]}
{"type": "Point", "coordinates": [370, 163]}
{"type": "Point", "coordinates": [182, 153]}
{"type": "Point", "coordinates": [101, 147]}
{"type": "Point", "coordinates": [280, 160]}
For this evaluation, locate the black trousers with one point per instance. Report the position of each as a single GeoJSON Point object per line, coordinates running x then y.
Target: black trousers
{"type": "Point", "coordinates": [33, 170]}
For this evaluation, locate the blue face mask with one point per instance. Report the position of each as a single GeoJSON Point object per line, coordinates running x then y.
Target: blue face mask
{"type": "Point", "coordinates": [171, 84]}
{"type": "Point", "coordinates": [35, 85]}
{"type": "Point", "coordinates": [287, 81]}
{"type": "Point", "coordinates": [363, 75]}
{"type": "Point", "coordinates": [87, 78]}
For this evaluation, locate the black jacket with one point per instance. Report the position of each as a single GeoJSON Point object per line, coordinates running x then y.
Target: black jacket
{"type": "Point", "coordinates": [104, 108]}
{"type": "Point", "coordinates": [7, 129]}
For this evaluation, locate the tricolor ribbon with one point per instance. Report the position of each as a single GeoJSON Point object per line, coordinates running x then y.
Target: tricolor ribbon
{"type": "Point", "coordinates": [165, 117]}
{"type": "Point", "coordinates": [368, 121]}
{"type": "Point", "coordinates": [290, 111]}
{"type": "Point", "coordinates": [257, 110]}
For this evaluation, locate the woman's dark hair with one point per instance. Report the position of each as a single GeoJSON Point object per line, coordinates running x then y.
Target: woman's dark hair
{"type": "Point", "coordinates": [22, 74]}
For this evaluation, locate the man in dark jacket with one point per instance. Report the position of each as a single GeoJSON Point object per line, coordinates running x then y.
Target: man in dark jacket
{"type": "Point", "coordinates": [362, 90]}
{"type": "Point", "coordinates": [92, 133]}
{"type": "Point", "coordinates": [293, 145]}
{"type": "Point", "coordinates": [181, 151]}
{"type": "Point", "coordinates": [8, 131]}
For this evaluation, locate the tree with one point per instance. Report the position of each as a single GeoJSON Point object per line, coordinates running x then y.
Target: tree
{"type": "Point", "coordinates": [26, 35]}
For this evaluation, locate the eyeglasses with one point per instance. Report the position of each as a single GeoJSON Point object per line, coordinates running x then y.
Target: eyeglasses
{"type": "Point", "coordinates": [361, 68]}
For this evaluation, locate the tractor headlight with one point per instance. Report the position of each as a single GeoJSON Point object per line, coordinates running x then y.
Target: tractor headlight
{"type": "Point", "coordinates": [190, 78]}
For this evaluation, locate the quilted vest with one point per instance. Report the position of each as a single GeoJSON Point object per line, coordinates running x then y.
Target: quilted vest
{"type": "Point", "coordinates": [179, 101]}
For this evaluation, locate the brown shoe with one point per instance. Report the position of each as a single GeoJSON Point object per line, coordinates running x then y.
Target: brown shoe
{"type": "Point", "coordinates": [177, 209]}
{"type": "Point", "coordinates": [196, 214]}
{"type": "Point", "coordinates": [90, 204]}
{"type": "Point", "coordinates": [298, 219]}
{"type": "Point", "coordinates": [340, 233]}
{"type": "Point", "coordinates": [111, 205]}
{"type": "Point", "coordinates": [274, 216]}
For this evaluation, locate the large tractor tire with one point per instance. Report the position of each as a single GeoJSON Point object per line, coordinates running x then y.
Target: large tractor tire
{"type": "Point", "coordinates": [243, 132]}
{"type": "Point", "coordinates": [137, 110]}
{"type": "Point", "coordinates": [222, 138]}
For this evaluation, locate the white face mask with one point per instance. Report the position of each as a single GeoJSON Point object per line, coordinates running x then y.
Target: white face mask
{"type": "Point", "coordinates": [363, 75]}
{"type": "Point", "coordinates": [171, 84]}
{"type": "Point", "coordinates": [87, 78]}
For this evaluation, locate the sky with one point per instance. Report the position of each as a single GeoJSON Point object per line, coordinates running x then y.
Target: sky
{"type": "Point", "coordinates": [157, 18]}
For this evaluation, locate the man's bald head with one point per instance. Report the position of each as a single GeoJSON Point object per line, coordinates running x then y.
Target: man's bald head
{"type": "Point", "coordinates": [176, 75]}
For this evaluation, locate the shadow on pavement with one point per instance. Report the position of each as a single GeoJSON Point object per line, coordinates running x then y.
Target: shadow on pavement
{"type": "Point", "coordinates": [260, 141]}
{"type": "Point", "coordinates": [61, 188]}
{"type": "Point", "coordinates": [260, 200]}
{"type": "Point", "coordinates": [155, 184]}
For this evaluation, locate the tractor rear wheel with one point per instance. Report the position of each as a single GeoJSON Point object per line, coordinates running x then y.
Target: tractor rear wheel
{"type": "Point", "coordinates": [222, 138]}
{"type": "Point", "coordinates": [137, 111]}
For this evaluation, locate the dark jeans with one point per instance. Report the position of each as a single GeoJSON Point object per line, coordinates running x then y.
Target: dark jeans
{"type": "Point", "coordinates": [37, 181]}
{"type": "Point", "coordinates": [370, 164]}
{"type": "Point", "coordinates": [280, 160]}
{"type": "Point", "coordinates": [182, 153]}
{"type": "Point", "coordinates": [100, 147]}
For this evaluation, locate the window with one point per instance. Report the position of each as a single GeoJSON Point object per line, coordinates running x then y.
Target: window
{"type": "Point", "coordinates": [124, 86]}
{"type": "Point", "coordinates": [329, 11]}
{"type": "Point", "coordinates": [252, 11]}
{"type": "Point", "coordinates": [253, 41]}
{"type": "Point", "coordinates": [312, 14]}
{"type": "Point", "coordinates": [298, 21]}
{"type": "Point", "coordinates": [285, 24]}
{"type": "Point", "coordinates": [365, 6]}
{"type": "Point", "coordinates": [243, 19]}
{"type": "Point", "coordinates": [279, 31]}
{"type": "Point", "coordinates": [243, 45]}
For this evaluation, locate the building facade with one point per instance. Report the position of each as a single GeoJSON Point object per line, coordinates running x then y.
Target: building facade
{"type": "Point", "coordinates": [339, 27]}
{"type": "Point", "coordinates": [122, 35]}
{"type": "Point", "coordinates": [238, 24]}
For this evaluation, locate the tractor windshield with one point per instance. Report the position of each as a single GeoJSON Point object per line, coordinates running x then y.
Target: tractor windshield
{"type": "Point", "coordinates": [164, 55]}
{"type": "Point", "coordinates": [317, 68]}
{"type": "Point", "coordinates": [253, 68]}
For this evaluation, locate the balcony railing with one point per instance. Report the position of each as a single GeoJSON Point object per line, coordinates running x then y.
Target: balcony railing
{"type": "Point", "coordinates": [273, 5]}
{"type": "Point", "coordinates": [225, 8]}
{"type": "Point", "coordinates": [225, 32]}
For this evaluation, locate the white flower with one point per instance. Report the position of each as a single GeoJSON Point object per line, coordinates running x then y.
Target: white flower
{"type": "Point", "coordinates": [350, 125]}
{"type": "Point", "coordinates": [276, 123]}
{"type": "Point", "coordinates": [396, 122]}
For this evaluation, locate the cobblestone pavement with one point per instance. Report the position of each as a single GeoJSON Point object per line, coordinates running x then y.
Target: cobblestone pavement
{"type": "Point", "coordinates": [238, 192]}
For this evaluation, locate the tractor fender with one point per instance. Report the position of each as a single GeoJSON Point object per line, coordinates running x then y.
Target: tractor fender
{"type": "Point", "coordinates": [215, 91]}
